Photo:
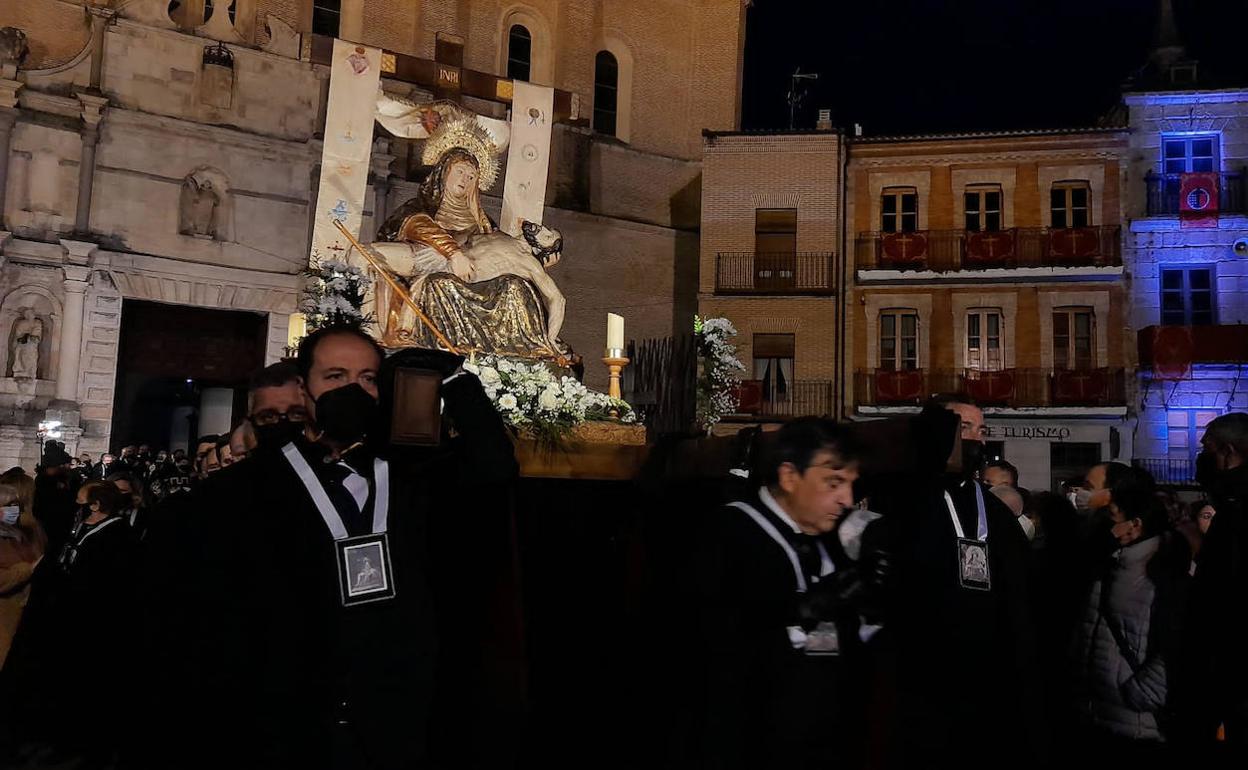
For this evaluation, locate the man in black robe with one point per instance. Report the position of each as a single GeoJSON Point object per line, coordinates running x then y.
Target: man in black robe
{"type": "Point", "coordinates": [781, 609]}
{"type": "Point", "coordinates": [278, 667]}
{"type": "Point", "coordinates": [964, 687]}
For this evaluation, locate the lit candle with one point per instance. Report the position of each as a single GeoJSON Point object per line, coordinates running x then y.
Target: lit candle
{"type": "Point", "coordinates": [615, 332]}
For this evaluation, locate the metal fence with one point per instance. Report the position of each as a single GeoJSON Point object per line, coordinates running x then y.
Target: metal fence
{"type": "Point", "coordinates": [946, 250]}
{"type": "Point", "coordinates": [781, 273]}
{"type": "Point", "coordinates": [1165, 190]}
{"type": "Point", "coordinates": [1007, 387]}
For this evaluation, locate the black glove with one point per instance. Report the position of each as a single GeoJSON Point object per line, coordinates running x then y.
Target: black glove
{"type": "Point", "coordinates": [835, 595]}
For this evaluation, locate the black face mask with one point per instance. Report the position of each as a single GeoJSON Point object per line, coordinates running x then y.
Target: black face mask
{"type": "Point", "coordinates": [346, 414]}
{"type": "Point", "coordinates": [1206, 469]}
{"type": "Point", "coordinates": [972, 457]}
{"type": "Point", "coordinates": [278, 434]}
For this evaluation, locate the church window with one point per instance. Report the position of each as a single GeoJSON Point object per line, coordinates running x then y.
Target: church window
{"type": "Point", "coordinates": [519, 53]}
{"type": "Point", "coordinates": [606, 92]}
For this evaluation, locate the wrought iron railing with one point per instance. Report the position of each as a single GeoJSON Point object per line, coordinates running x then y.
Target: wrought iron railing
{"type": "Point", "coordinates": [1007, 387]}
{"type": "Point", "coordinates": [797, 399]}
{"type": "Point", "coordinates": [781, 273]}
{"type": "Point", "coordinates": [1164, 192]}
{"type": "Point", "coordinates": [1166, 470]}
{"type": "Point", "coordinates": [948, 250]}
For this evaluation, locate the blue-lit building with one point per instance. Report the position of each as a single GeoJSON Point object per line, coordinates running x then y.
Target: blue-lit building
{"type": "Point", "coordinates": [1186, 250]}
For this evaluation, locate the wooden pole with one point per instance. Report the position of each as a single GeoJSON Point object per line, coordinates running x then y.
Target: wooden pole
{"type": "Point", "coordinates": [396, 287]}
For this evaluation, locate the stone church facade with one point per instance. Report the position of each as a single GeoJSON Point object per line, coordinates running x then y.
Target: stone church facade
{"type": "Point", "coordinates": [169, 153]}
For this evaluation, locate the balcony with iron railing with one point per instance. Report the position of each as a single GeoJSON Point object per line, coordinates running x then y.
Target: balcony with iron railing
{"type": "Point", "coordinates": [1164, 193]}
{"type": "Point", "coordinates": [1008, 388]}
{"type": "Point", "coordinates": [775, 273]}
{"type": "Point", "coordinates": [1168, 470]}
{"type": "Point", "coordinates": [798, 398]}
{"type": "Point", "coordinates": [1020, 247]}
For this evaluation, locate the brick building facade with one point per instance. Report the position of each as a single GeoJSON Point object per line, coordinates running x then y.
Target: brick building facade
{"type": "Point", "coordinates": [990, 264]}
{"type": "Point", "coordinates": [771, 219]}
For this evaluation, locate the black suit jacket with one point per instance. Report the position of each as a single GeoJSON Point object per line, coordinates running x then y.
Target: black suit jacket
{"type": "Point", "coordinates": [262, 653]}
{"type": "Point", "coordinates": [767, 704]}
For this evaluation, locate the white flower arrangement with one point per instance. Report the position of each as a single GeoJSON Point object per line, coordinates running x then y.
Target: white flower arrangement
{"type": "Point", "coordinates": [529, 396]}
{"type": "Point", "coordinates": [334, 294]}
{"type": "Point", "coordinates": [719, 369]}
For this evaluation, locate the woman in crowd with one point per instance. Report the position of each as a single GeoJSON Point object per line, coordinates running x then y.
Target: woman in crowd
{"type": "Point", "coordinates": [1129, 629]}
{"type": "Point", "coordinates": [21, 547]}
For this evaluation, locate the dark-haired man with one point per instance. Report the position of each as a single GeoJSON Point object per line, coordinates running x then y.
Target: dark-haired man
{"type": "Point", "coordinates": [276, 407]}
{"type": "Point", "coordinates": [781, 608]}
{"type": "Point", "coordinates": [1216, 691]}
{"type": "Point", "coordinates": [206, 460]}
{"type": "Point", "coordinates": [319, 661]}
{"type": "Point", "coordinates": [1001, 473]}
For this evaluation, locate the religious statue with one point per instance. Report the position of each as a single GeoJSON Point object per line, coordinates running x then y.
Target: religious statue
{"type": "Point", "coordinates": [483, 288]}
{"type": "Point", "coordinates": [199, 207]}
{"type": "Point", "coordinates": [13, 50]}
{"type": "Point", "coordinates": [27, 334]}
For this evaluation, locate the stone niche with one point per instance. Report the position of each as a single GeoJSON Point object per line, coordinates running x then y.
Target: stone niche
{"type": "Point", "coordinates": [205, 206]}
{"type": "Point", "coordinates": [30, 320]}
{"type": "Point", "coordinates": [46, 310]}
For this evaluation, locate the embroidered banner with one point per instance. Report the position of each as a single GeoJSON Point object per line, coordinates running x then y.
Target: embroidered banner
{"type": "Point", "coordinates": [524, 192]}
{"type": "Point", "coordinates": [353, 80]}
{"type": "Point", "coordinates": [1198, 200]}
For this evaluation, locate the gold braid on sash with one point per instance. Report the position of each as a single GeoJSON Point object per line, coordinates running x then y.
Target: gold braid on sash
{"type": "Point", "coordinates": [420, 228]}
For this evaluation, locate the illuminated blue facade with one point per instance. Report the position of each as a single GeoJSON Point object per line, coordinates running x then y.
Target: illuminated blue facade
{"type": "Point", "coordinates": [1189, 278]}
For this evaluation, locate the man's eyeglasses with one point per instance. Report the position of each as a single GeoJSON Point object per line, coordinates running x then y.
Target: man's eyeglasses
{"type": "Point", "coordinates": [273, 417]}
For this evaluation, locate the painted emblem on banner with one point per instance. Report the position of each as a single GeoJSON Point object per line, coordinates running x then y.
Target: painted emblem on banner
{"type": "Point", "coordinates": [348, 133]}
{"type": "Point", "coordinates": [358, 61]}
{"type": "Point", "coordinates": [535, 117]}
{"type": "Point", "coordinates": [340, 210]}
{"type": "Point", "coordinates": [530, 152]}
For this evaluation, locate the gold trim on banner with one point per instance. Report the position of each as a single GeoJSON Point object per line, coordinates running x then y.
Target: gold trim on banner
{"type": "Point", "coordinates": [503, 89]}
{"type": "Point", "coordinates": [389, 64]}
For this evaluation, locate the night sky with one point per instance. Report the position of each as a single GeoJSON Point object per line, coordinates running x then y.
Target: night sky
{"type": "Point", "coordinates": [922, 66]}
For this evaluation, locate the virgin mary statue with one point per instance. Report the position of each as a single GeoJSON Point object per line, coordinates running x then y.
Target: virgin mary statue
{"type": "Point", "coordinates": [429, 244]}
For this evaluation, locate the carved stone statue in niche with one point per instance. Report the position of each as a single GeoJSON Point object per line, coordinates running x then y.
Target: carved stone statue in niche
{"type": "Point", "coordinates": [27, 335]}
{"type": "Point", "coordinates": [13, 50]}
{"type": "Point", "coordinates": [201, 207]}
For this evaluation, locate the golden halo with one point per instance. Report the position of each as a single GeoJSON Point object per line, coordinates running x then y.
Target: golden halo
{"type": "Point", "coordinates": [466, 134]}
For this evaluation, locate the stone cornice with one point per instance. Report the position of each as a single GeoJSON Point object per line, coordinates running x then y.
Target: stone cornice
{"type": "Point", "coordinates": [139, 276]}
{"type": "Point", "coordinates": [1022, 156]}
{"type": "Point", "coordinates": [292, 149]}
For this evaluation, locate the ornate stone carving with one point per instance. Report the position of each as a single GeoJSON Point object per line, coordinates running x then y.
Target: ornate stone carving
{"type": "Point", "coordinates": [283, 39]}
{"type": "Point", "coordinates": [13, 50]}
{"type": "Point", "coordinates": [216, 82]}
{"type": "Point", "coordinates": [154, 13]}
{"type": "Point", "coordinates": [219, 26]}
{"type": "Point", "coordinates": [204, 206]}
{"type": "Point", "coordinates": [27, 336]}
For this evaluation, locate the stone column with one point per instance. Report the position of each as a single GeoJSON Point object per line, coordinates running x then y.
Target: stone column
{"type": "Point", "coordinates": [100, 17]}
{"type": "Point", "coordinates": [92, 116]}
{"type": "Point", "coordinates": [77, 254]}
{"type": "Point", "coordinates": [9, 87]}
{"type": "Point", "coordinates": [8, 117]}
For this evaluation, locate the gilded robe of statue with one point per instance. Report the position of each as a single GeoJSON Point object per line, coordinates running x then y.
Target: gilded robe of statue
{"type": "Point", "coordinates": [430, 243]}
